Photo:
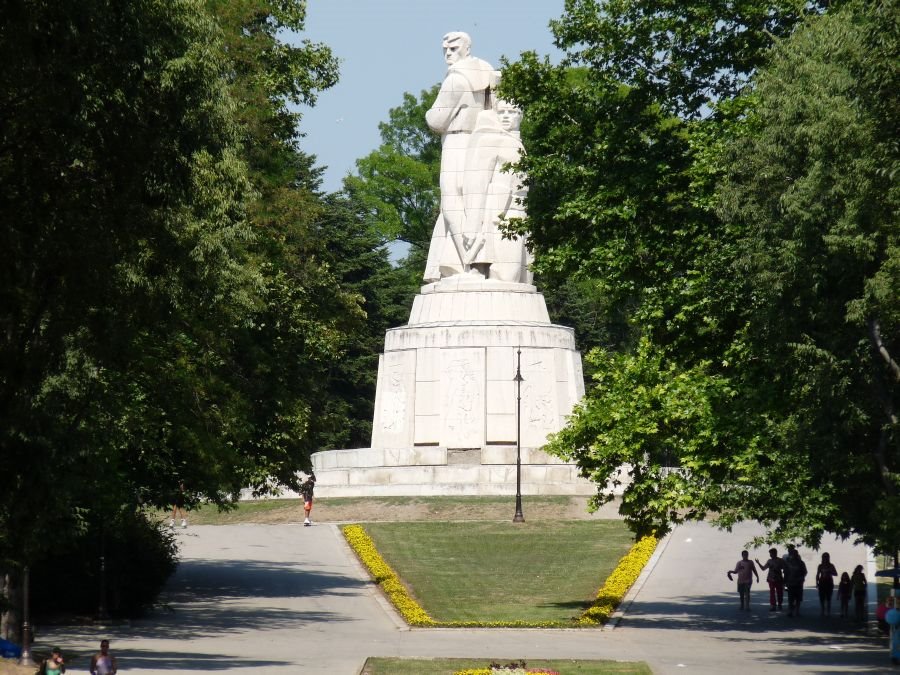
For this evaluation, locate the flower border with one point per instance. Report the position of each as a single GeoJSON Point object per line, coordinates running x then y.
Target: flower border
{"type": "Point", "coordinates": [617, 584]}
{"type": "Point", "coordinates": [608, 598]}
{"type": "Point", "coordinates": [385, 577]}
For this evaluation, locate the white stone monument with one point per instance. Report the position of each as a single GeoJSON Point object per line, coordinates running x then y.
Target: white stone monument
{"type": "Point", "coordinates": [445, 409]}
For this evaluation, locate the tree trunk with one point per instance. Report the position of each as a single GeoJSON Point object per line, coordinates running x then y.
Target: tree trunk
{"type": "Point", "coordinates": [11, 620]}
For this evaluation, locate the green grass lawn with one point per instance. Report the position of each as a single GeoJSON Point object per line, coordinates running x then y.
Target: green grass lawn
{"type": "Point", "coordinates": [500, 571]}
{"type": "Point", "coordinates": [439, 502]}
{"type": "Point", "coordinates": [245, 512]}
{"type": "Point", "coordinates": [449, 666]}
{"type": "Point", "coordinates": [359, 508]}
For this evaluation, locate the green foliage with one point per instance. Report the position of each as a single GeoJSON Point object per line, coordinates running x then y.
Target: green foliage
{"type": "Point", "coordinates": [124, 204]}
{"type": "Point", "coordinates": [608, 183]}
{"type": "Point", "coordinates": [811, 199]}
{"type": "Point", "coordinates": [683, 53]}
{"type": "Point", "coordinates": [359, 260]}
{"type": "Point", "coordinates": [751, 252]}
{"type": "Point", "coordinates": [644, 416]}
{"type": "Point", "coordinates": [598, 321]}
{"type": "Point", "coordinates": [139, 556]}
{"type": "Point", "coordinates": [397, 185]}
{"type": "Point", "coordinates": [169, 308]}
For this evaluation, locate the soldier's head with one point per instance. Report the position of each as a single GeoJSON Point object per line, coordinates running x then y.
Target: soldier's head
{"type": "Point", "coordinates": [509, 115]}
{"type": "Point", "coordinates": [456, 46]}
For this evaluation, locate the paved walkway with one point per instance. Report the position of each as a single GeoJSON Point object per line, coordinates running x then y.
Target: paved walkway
{"type": "Point", "coordinates": [284, 598]}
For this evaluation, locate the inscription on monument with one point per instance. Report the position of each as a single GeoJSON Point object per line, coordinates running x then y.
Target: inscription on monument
{"type": "Point", "coordinates": [393, 403]}
{"type": "Point", "coordinates": [463, 382]}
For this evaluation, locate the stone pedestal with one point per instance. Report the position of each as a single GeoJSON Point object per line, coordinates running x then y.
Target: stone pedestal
{"type": "Point", "coordinates": [445, 407]}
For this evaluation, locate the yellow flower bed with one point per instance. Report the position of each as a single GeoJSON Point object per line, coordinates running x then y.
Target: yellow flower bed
{"type": "Point", "coordinates": [618, 583]}
{"type": "Point", "coordinates": [608, 598]}
{"type": "Point", "coordinates": [385, 577]}
{"type": "Point", "coordinates": [506, 670]}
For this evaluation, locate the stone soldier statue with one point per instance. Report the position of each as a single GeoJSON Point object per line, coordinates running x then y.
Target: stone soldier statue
{"type": "Point", "coordinates": [465, 92]}
{"type": "Point", "coordinates": [492, 193]}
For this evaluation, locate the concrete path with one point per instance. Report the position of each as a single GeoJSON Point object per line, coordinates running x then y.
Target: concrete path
{"type": "Point", "coordinates": [284, 598]}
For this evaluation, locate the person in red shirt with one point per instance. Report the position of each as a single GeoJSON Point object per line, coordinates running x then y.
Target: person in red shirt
{"type": "Point", "coordinates": [775, 578]}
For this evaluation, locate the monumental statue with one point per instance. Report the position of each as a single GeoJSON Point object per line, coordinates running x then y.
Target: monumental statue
{"type": "Point", "coordinates": [464, 112]}
{"type": "Point", "coordinates": [479, 371]}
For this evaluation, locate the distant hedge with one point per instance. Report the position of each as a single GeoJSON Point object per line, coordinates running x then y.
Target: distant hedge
{"type": "Point", "coordinates": [140, 555]}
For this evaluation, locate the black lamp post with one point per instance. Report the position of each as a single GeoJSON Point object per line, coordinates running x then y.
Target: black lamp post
{"type": "Point", "coordinates": [102, 613]}
{"type": "Point", "coordinates": [519, 518]}
{"type": "Point", "coordinates": [25, 659]}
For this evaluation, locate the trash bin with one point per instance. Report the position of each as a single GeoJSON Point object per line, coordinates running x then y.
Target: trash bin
{"type": "Point", "coordinates": [9, 650]}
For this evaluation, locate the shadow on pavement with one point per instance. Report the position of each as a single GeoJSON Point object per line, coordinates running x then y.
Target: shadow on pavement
{"type": "Point", "coordinates": [187, 662]}
{"type": "Point", "coordinates": [215, 597]}
{"type": "Point", "coordinates": [720, 612]}
{"type": "Point", "coordinates": [199, 579]}
{"type": "Point", "coordinates": [809, 640]}
{"type": "Point", "coordinates": [214, 619]}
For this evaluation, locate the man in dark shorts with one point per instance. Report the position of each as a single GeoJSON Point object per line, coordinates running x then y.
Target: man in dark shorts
{"type": "Point", "coordinates": [746, 570]}
{"type": "Point", "coordinates": [306, 491]}
{"type": "Point", "coordinates": [794, 577]}
{"type": "Point", "coordinates": [179, 506]}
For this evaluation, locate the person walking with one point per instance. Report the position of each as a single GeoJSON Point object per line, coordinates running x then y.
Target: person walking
{"type": "Point", "coordinates": [825, 574]}
{"type": "Point", "coordinates": [845, 590]}
{"type": "Point", "coordinates": [775, 579]}
{"type": "Point", "coordinates": [860, 585]}
{"type": "Point", "coordinates": [104, 663]}
{"type": "Point", "coordinates": [306, 491]}
{"type": "Point", "coordinates": [794, 577]}
{"type": "Point", "coordinates": [178, 506]}
{"type": "Point", "coordinates": [745, 570]}
{"type": "Point", "coordinates": [53, 665]}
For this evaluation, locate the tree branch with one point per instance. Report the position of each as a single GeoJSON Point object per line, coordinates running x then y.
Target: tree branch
{"type": "Point", "coordinates": [878, 343]}
{"type": "Point", "coordinates": [884, 394]}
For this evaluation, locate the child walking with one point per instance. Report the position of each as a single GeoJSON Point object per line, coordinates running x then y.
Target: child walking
{"type": "Point", "coordinates": [844, 592]}
{"type": "Point", "coordinates": [859, 584]}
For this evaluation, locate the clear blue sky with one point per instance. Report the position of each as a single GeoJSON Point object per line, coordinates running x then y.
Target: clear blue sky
{"type": "Point", "coordinates": [387, 47]}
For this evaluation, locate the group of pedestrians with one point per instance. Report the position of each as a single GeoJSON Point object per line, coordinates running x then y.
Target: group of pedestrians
{"type": "Point", "coordinates": [788, 573]}
{"type": "Point", "coordinates": [102, 663]}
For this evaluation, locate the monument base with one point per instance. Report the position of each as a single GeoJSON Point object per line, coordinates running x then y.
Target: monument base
{"type": "Point", "coordinates": [478, 370]}
{"type": "Point", "coordinates": [447, 379]}
{"type": "Point", "coordinates": [431, 471]}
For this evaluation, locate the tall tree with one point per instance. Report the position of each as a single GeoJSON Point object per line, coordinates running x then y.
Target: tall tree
{"type": "Point", "coordinates": [622, 195]}
{"type": "Point", "coordinates": [302, 326]}
{"type": "Point", "coordinates": [683, 53]}
{"type": "Point", "coordinates": [166, 310]}
{"type": "Point", "coordinates": [811, 198]}
{"type": "Point", "coordinates": [123, 208]}
{"type": "Point", "coordinates": [397, 185]}
{"type": "Point", "coordinates": [359, 258]}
